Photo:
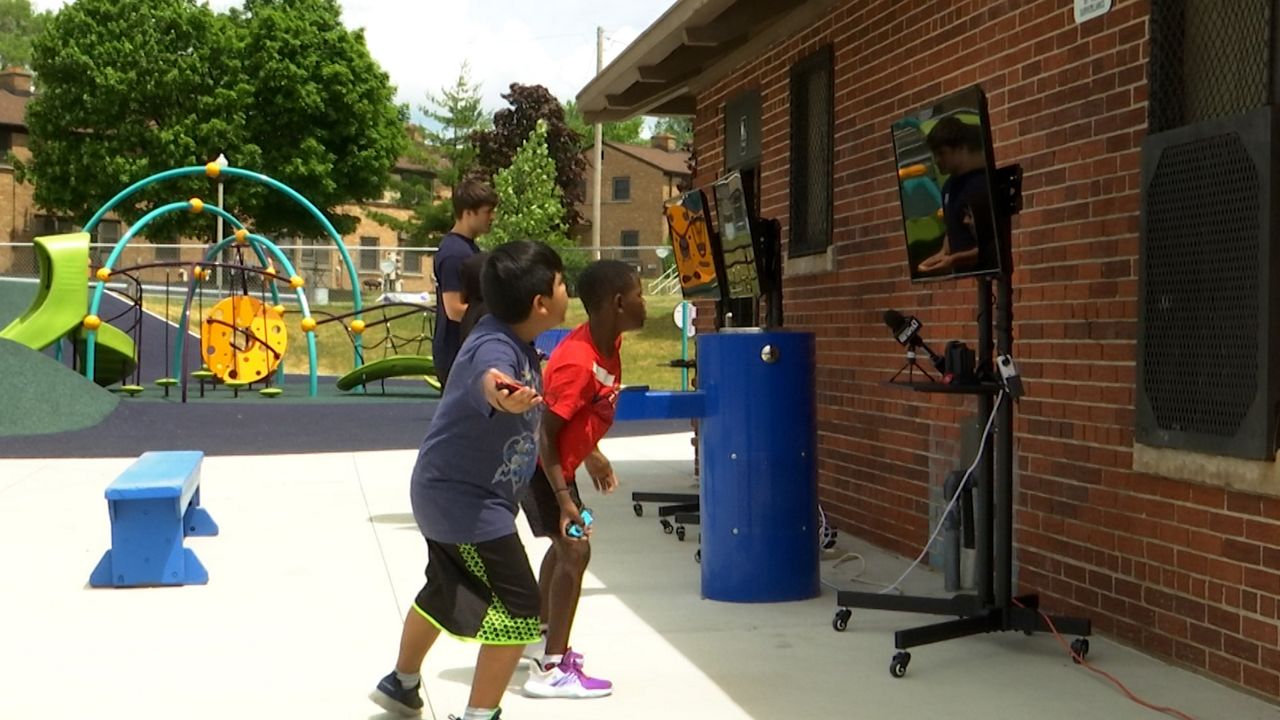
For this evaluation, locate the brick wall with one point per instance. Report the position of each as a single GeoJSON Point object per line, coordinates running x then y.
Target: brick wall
{"type": "Point", "coordinates": [642, 213]}
{"type": "Point", "coordinates": [1185, 571]}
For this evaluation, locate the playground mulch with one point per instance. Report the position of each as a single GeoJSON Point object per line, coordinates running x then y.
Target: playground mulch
{"type": "Point", "coordinates": [39, 395]}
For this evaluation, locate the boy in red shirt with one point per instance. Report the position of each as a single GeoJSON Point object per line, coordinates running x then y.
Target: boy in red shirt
{"type": "Point", "coordinates": [581, 382]}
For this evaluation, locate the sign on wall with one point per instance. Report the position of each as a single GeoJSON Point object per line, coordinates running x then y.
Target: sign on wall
{"type": "Point", "coordinates": [1089, 9]}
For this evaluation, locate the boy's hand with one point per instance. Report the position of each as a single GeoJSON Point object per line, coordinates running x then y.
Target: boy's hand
{"type": "Point", "coordinates": [569, 514]}
{"type": "Point", "coordinates": [601, 472]}
{"type": "Point", "coordinates": [504, 399]}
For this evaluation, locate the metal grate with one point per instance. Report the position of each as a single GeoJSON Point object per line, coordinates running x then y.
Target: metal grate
{"type": "Point", "coordinates": [1201, 296]}
{"type": "Point", "coordinates": [1209, 59]}
{"type": "Point", "coordinates": [811, 156]}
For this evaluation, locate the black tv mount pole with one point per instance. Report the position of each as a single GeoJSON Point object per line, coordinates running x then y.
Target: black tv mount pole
{"type": "Point", "coordinates": [992, 607]}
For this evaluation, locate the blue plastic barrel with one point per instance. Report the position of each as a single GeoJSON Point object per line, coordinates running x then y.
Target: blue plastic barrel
{"type": "Point", "coordinates": [759, 488]}
{"type": "Point", "coordinates": [550, 339]}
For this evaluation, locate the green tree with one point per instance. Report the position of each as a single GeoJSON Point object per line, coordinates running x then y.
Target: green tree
{"type": "Point", "coordinates": [627, 132]}
{"type": "Point", "coordinates": [680, 127]}
{"type": "Point", "coordinates": [456, 114]}
{"type": "Point", "coordinates": [512, 126]}
{"type": "Point", "coordinates": [19, 26]}
{"type": "Point", "coordinates": [529, 203]}
{"type": "Point", "coordinates": [134, 87]}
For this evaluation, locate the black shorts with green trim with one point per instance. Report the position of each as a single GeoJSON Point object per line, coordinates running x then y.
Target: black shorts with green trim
{"type": "Point", "coordinates": [482, 591]}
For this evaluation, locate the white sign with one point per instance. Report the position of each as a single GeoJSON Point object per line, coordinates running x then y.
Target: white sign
{"type": "Point", "coordinates": [388, 266]}
{"type": "Point", "coordinates": [662, 252]}
{"type": "Point", "coordinates": [1089, 9]}
{"type": "Point", "coordinates": [678, 316]}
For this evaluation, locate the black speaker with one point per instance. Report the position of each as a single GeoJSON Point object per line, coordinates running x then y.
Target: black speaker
{"type": "Point", "coordinates": [1208, 356]}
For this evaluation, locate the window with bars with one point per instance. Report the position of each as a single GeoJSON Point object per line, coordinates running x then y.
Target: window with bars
{"type": "Point", "coordinates": [369, 254]}
{"type": "Point", "coordinates": [630, 239]}
{"type": "Point", "coordinates": [410, 256]}
{"type": "Point", "coordinates": [1209, 59]}
{"type": "Point", "coordinates": [811, 153]}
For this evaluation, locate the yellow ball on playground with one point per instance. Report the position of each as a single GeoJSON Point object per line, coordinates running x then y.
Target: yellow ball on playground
{"type": "Point", "coordinates": [242, 236]}
{"type": "Point", "coordinates": [296, 282]}
{"type": "Point", "coordinates": [278, 309]}
{"type": "Point", "coordinates": [199, 273]}
{"type": "Point", "coordinates": [92, 322]}
{"type": "Point", "coordinates": [104, 274]}
{"type": "Point", "coordinates": [357, 326]}
{"type": "Point", "coordinates": [197, 205]}
{"type": "Point", "coordinates": [213, 170]}
{"type": "Point", "coordinates": [308, 324]}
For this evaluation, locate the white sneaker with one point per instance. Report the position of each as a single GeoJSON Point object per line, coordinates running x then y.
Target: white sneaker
{"type": "Point", "coordinates": [565, 680]}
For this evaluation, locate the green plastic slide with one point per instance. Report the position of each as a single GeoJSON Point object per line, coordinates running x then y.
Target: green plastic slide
{"type": "Point", "coordinates": [388, 367]}
{"type": "Point", "coordinates": [114, 359]}
{"type": "Point", "coordinates": [60, 305]}
{"type": "Point", "coordinates": [61, 302]}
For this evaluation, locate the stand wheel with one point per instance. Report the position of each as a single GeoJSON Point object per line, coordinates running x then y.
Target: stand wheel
{"type": "Point", "coordinates": [697, 556]}
{"type": "Point", "coordinates": [840, 622]}
{"type": "Point", "coordinates": [680, 533]}
{"type": "Point", "coordinates": [1079, 649]}
{"type": "Point", "coordinates": [667, 527]}
{"type": "Point", "coordinates": [898, 667]}
{"type": "Point", "coordinates": [638, 509]}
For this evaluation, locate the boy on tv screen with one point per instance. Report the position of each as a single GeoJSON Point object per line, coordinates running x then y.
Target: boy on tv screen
{"type": "Point", "coordinates": [969, 244]}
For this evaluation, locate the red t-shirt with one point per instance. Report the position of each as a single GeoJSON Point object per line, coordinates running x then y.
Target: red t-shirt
{"type": "Point", "coordinates": [581, 386]}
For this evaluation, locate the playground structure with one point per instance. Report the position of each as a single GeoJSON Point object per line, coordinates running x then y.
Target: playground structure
{"type": "Point", "coordinates": [242, 338]}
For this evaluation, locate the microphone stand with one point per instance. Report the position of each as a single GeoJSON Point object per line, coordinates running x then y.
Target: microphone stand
{"type": "Point", "coordinates": [912, 364]}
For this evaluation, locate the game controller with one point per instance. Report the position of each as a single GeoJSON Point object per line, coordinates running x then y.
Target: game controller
{"type": "Point", "coordinates": [576, 531]}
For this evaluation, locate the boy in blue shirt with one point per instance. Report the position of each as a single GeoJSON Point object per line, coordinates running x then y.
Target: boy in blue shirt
{"type": "Point", "coordinates": [473, 465]}
{"type": "Point", "coordinates": [473, 204]}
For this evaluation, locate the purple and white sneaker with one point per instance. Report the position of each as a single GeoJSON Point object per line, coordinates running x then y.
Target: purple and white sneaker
{"type": "Point", "coordinates": [565, 680]}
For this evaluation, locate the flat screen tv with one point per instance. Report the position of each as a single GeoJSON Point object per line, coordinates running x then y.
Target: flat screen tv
{"type": "Point", "coordinates": [691, 245]}
{"type": "Point", "coordinates": [945, 170]}
{"type": "Point", "coordinates": [737, 242]}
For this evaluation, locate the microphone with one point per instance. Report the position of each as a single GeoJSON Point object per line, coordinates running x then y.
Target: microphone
{"type": "Point", "coordinates": [906, 330]}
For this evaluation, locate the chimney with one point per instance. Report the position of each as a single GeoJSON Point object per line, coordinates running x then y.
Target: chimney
{"type": "Point", "coordinates": [664, 142]}
{"type": "Point", "coordinates": [16, 80]}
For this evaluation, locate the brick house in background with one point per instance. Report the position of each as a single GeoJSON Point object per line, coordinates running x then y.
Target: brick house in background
{"type": "Point", "coordinates": [1165, 543]}
{"type": "Point", "coordinates": [21, 220]}
{"type": "Point", "coordinates": [635, 181]}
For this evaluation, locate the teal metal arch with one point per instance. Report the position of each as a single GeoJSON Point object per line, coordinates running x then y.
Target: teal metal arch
{"type": "Point", "coordinates": [215, 172]}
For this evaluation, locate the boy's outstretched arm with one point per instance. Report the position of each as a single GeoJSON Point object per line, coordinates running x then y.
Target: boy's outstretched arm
{"type": "Point", "coordinates": [601, 471]}
{"type": "Point", "coordinates": [549, 452]}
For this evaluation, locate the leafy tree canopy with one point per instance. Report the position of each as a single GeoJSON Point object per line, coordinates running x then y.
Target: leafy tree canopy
{"type": "Point", "coordinates": [134, 87]}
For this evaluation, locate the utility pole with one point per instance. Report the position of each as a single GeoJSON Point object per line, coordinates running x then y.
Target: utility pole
{"type": "Point", "coordinates": [598, 157]}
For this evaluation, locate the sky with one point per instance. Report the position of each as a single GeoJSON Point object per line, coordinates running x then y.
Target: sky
{"type": "Point", "coordinates": [422, 44]}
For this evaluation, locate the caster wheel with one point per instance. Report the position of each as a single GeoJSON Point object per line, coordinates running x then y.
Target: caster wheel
{"type": "Point", "coordinates": [697, 556]}
{"type": "Point", "coordinates": [680, 533]}
{"type": "Point", "coordinates": [1079, 650]}
{"type": "Point", "coordinates": [898, 667]}
{"type": "Point", "coordinates": [667, 527]}
{"type": "Point", "coordinates": [840, 622]}
{"type": "Point", "coordinates": [638, 509]}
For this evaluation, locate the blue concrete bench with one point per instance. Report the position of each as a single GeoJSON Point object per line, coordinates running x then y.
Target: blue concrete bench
{"type": "Point", "coordinates": [153, 505]}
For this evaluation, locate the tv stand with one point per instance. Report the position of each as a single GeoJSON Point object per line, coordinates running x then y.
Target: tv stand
{"type": "Point", "coordinates": [992, 607]}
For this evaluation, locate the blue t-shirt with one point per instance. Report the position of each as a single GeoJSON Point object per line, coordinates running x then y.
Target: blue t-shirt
{"type": "Point", "coordinates": [475, 461]}
{"type": "Point", "coordinates": [454, 250]}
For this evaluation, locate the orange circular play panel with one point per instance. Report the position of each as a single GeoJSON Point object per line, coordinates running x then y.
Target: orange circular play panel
{"type": "Point", "coordinates": [243, 339]}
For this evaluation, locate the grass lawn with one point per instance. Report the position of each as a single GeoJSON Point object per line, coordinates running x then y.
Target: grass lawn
{"type": "Point", "coordinates": [642, 351]}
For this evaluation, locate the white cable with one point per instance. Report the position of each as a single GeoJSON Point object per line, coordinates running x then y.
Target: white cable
{"type": "Point", "coordinates": [986, 433]}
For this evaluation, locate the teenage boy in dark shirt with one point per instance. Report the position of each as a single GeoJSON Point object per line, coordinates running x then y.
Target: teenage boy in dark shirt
{"type": "Point", "coordinates": [473, 204]}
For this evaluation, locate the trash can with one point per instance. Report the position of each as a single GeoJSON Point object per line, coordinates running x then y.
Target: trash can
{"type": "Point", "coordinates": [759, 486]}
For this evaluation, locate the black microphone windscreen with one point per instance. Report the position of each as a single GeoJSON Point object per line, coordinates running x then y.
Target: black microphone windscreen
{"type": "Point", "coordinates": [893, 319]}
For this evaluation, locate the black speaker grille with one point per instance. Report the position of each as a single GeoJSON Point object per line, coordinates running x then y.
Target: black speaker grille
{"type": "Point", "coordinates": [1209, 59]}
{"type": "Point", "coordinates": [1201, 274]}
